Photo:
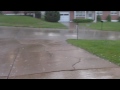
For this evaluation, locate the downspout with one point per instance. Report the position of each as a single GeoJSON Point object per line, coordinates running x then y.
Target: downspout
{"type": "Point", "coordinates": [85, 15]}
{"type": "Point", "coordinates": [95, 17]}
{"type": "Point", "coordinates": [74, 14]}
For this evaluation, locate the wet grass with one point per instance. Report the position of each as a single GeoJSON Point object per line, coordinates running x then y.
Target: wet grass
{"type": "Point", "coordinates": [107, 26]}
{"type": "Point", "coordinates": [107, 49]}
{"type": "Point", "coordinates": [26, 21]}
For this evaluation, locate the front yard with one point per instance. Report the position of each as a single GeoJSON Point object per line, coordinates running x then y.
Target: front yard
{"type": "Point", "coordinates": [108, 26]}
{"type": "Point", "coordinates": [26, 21]}
{"type": "Point", "coordinates": [107, 49]}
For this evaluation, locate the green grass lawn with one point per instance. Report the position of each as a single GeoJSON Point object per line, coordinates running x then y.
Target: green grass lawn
{"type": "Point", "coordinates": [26, 21]}
{"type": "Point", "coordinates": [108, 26]}
{"type": "Point", "coordinates": [107, 49]}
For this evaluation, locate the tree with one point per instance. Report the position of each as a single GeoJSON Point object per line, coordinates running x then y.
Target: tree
{"type": "Point", "coordinates": [118, 19]}
{"type": "Point", "coordinates": [98, 18]}
{"type": "Point", "coordinates": [0, 12]}
{"type": "Point", "coordinates": [109, 18]}
{"type": "Point", "coordinates": [37, 14]}
{"type": "Point", "coordinates": [15, 12]}
{"type": "Point", "coordinates": [52, 16]}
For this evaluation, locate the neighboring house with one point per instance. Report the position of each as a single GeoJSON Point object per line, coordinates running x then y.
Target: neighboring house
{"type": "Point", "coordinates": [68, 16]}
{"type": "Point", "coordinates": [20, 13]}
{"type": "Point", "coordinates": [11, 13]}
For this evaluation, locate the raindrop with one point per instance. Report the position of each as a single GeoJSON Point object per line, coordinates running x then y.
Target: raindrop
{"type": "Point", "coordinates": [25, 60]}
{"type": "Point", "coordinates": [43, 69]}
{"type": "Point", "coordinates": [10, 65]}
{"type": "Point", "coordinates": [16, 71]}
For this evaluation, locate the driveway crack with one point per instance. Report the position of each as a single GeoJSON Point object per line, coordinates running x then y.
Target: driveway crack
{"type": "Point", "coordinates": [76, 63]}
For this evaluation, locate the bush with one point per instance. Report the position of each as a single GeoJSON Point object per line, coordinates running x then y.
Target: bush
{"type": "Point", "coordinates": [42, 17]}
{"type": "Point", "coordinates": [118, 19]}
{"type": "Point", "coordinates": [37, 14]}
{"type": "Point", "coordinates": [82, 20]}
{"type": "Point", "coordinates": [98, 18]}
{"type": "Point", "coordinates": [109, 18]}
{"type": "Point", "coordinates": [0, 12]}
{"type": "Point", "coordinates": [52, 16]}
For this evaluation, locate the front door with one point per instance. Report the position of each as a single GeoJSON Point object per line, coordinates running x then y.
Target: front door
{"type": "Point", "coordinates": [90, 15]}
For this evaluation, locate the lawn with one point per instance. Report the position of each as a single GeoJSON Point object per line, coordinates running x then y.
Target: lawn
{"type": "Point", "coordinates": [26, 21]}
{"type": "Point", "coordinates": [108, 26]}
{"type": "Point", "coordinates": [107, 49]}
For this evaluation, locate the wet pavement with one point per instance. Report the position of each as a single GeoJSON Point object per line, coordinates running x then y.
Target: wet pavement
{"type": "Point", "coordinates": [33, 53]}
{"type": "Point", "coordinates": [109, 73]}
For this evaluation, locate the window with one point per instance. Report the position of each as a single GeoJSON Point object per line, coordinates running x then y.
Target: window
{"type": "Point", "coordinates": [80, 13]}
{"type": "Point", "coordinates": [113, 12]}
{"type": "Point", "coordinates": [99, 12]}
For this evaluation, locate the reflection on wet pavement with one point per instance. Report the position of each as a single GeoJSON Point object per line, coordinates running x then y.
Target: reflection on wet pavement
{"type": "Point", "coordinates": [50, 34]}
{"type": "Point", "coordinates": [78, 74]}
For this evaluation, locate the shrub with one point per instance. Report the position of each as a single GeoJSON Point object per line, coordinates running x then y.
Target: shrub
{"type": "Point", "coordinates": [82, 20]}
{"type": "Point", "coordinates": [0, 12]}
{"type": "Point", "coordinates": [42, 17]}
{"type": "Point", "coordinates": [109, 18]}
{"type": "Point", "coordinates": [98, 18]}
{"type": "Point", "coordinates": [52, 16]}
{"type": "Point", "coordinates": [37, 14]}
{"type": "Point", "coordinates": [118, 19]}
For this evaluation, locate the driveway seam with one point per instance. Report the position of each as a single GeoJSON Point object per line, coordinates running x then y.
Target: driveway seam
{"type": "Point", "coordinates": [65, 71]}
{"type": "Point", "coordinates": [13, 62]}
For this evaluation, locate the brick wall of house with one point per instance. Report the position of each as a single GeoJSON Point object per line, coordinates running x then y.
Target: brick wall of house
{"type": "Point", "coordinates": [71, 15]}
{"type": "Point", "coordinates": [115, 17]}
{"type": "Point", "coordinates": [106, 13]}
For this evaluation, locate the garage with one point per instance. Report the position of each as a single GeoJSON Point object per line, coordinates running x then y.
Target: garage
{"type": "Point", "coordinates": [64, 17]}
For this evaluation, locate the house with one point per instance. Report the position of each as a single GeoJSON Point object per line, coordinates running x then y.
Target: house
{"type": "Point", "coordinates": [20, 13]}
{"type": "Point", "coordinates": [68, 16]}
{"type": "Point", "coordinates": [11, 13]}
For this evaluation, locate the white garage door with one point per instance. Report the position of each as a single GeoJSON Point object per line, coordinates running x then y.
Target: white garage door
{"type": "Point", "coordinates": [64, 17]}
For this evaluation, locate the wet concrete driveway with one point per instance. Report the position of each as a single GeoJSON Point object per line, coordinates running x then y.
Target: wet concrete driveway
{"type": "Point", "coordinates": [27, 53]}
